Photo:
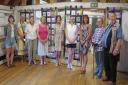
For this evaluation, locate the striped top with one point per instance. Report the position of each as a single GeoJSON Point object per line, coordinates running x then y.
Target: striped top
{"type": "Point", "coordinates": [97, 37]}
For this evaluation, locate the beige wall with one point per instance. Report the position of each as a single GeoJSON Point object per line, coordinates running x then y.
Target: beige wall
{"type": "Point", "coordinates": [23, 2]}
{"type": "Point", "coordinates": [37, 2]}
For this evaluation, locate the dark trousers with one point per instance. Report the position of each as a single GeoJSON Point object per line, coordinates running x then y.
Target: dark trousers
{"type": "Point", "coordinates": [110, 65]}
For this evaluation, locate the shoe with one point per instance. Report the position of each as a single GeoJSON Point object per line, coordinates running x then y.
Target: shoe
{"type": "Point", "coordinates": [41, 62]}
{"type": "Point", "coordinates": [83, 71]}
{"type": "Point", "coordinates": [96, 73]}
{"type": "Point", "coordinates": [98, 77]}
{"type": "Point", "coordinates": [44, 63]}
{"type": "Point", "coordinates": [29, 63]}
{"type": "Point", "coordinates": [105, 79]}
{"type": "Point", "coordinates": [111, 83]}
{"type": "Point", "coordinates": [57, 63]}
{"type": "Point", "coordinates": [34, 62]}
{"type": "Point", "coordinates": [12, 65]}
{"type": "Point", "coordinates": [71, 66]}
{"type": "Point", "coordinates": [68, 66]}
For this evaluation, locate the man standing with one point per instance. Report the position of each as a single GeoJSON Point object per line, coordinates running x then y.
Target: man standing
{"type": "Point", "coordinates": [112, 41]}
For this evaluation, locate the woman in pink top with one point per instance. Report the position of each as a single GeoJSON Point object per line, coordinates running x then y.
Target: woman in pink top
{"type": "Point", "coordinates": [42, 32]}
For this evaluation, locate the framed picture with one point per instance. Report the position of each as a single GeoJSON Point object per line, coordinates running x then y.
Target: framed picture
{"type": "Point", "coordinates": [68, 12]}
{"type": "Point", "coordinates": [78, 19]}
{"type": "Point", "coordinates": [73, 12]}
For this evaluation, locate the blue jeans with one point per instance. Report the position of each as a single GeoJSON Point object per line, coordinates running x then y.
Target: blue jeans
{"type": "Point", "coordinates": [99, 63]}
{"type": "Point", "coordinates": [32, 49]}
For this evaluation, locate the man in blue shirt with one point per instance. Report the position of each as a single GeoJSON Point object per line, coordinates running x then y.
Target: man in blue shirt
{"type": "Point", "coordinates": [112, 41]}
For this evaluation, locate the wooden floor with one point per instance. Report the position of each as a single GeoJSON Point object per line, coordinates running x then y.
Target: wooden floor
{"type": "Point", "coordinates": [22, 74]}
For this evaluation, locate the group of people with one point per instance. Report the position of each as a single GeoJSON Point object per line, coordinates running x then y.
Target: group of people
{"type": "Point", "coordinates": [34, 38]}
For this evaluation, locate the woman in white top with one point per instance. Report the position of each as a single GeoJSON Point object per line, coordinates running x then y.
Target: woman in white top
{"type": "Point", "coordinates": [71, 36]}
{"type": "Point", "coordinates": [31, 37]}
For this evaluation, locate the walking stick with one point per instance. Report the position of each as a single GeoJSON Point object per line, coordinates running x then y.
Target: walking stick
{"type": "Point", "coordinates": [93, 60]}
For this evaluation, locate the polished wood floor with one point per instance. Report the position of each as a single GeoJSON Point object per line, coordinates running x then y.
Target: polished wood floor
{"type": "Point", "coordinates": [49, 74]}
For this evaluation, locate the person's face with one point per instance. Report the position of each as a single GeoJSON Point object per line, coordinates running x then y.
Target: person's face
{"type": "Point", "coordinates": [112, 18]}
{"type": "Point", "coordinates": [22, 19]}
{"type": "Point", "coordinates": [32, 20]}
{"type": "Point", "coordinates": [11, 20]}
{"type": "Point", "coordinates": [72, 19]}
{"type": "Point", "coordinates": [27, 20]}
{"type": "Point", "coordinates": [58, 20]}
{"type": "Point", "coordinates": [99, 22]}
{"type": "Point", "coordinates": [43, 20]}
{"type": "Point", "coordinates": [85, 20]}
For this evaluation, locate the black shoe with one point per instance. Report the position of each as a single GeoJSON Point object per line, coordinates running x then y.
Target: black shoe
{"type": "Point", "coordinates": [105, 79]}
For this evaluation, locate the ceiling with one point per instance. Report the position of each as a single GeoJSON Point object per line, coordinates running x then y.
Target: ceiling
{"type": "Point", "coordinates": [10, 2]}
{"type": "Point", "coordinates": [18, 2]}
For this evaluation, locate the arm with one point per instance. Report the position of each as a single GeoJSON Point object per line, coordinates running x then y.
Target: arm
{"type": "Point", "coordinates": [90, 33]}
{"type": "Point", "coordinates": [38, 33]}
{"type": "Point", "coordinates": [119, 41]}
{"type": "Point", "coordinates": [66, 34]}
{"type": "Point", "coordinates": [76, 34]}
{"type": "Point", "coordinates": [48, 34]}
{"type": "Point", "coordinates": [20, 34]}
{"type": "Point", "coordinates": [5, 31]}
{"type": "Point", "coordinates": [81, 37]}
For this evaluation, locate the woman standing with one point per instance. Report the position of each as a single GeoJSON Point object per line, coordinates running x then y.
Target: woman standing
{"type": "Point", "coordinates": [71, 36]}
{"type": "Point", "coordinates": [31, 36]}
{"type": "Point", "coordinates": [58, 38]}
{"type": "Point", "coordinates": [10, 40]}
{"type": "Point", "coordinates": [85, 40]}
{"type": "Point", "coordinates": [96, 40]}
{"type": "Point", "coordinates": [42, 33]}
{"type": "Point", "coordinates": [21, 37]}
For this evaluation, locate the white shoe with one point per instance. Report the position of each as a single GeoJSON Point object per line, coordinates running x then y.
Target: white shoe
{"type": "Point", "coordinates": [71, 66]}
{"type": "Point", "coordinates": [68, 66]}
{"type": "Point", "coordinates": [44, 63]}
{"type": "Point", "coordinates": [41, 62]}
{"type": "Point", "coordinates": [34, 61]}
{"type": "Point", "coordinates": [57, 64]}
{"type": "Point", "coordinates": [29, 62]}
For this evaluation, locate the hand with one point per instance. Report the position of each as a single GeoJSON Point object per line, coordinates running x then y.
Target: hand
{"type": "Point", "coordinates": [115, 52]}
{"type": "Point", "coordinates": [81, 41]}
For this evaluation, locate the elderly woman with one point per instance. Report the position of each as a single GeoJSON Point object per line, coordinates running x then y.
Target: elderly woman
{"type": "Point", "coordinates": [21, 37]}
{"type": "Point", "coordinates": [96, 40]}
{"type": "Point", "coordinates": [43, 34]}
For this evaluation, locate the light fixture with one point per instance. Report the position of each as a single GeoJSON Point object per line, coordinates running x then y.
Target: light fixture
{"type": "Point", "coordinates": [72, 0]}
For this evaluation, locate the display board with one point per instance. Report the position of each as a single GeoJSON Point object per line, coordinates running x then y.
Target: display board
{"type": "Point", "coordinates": [27, 13]}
